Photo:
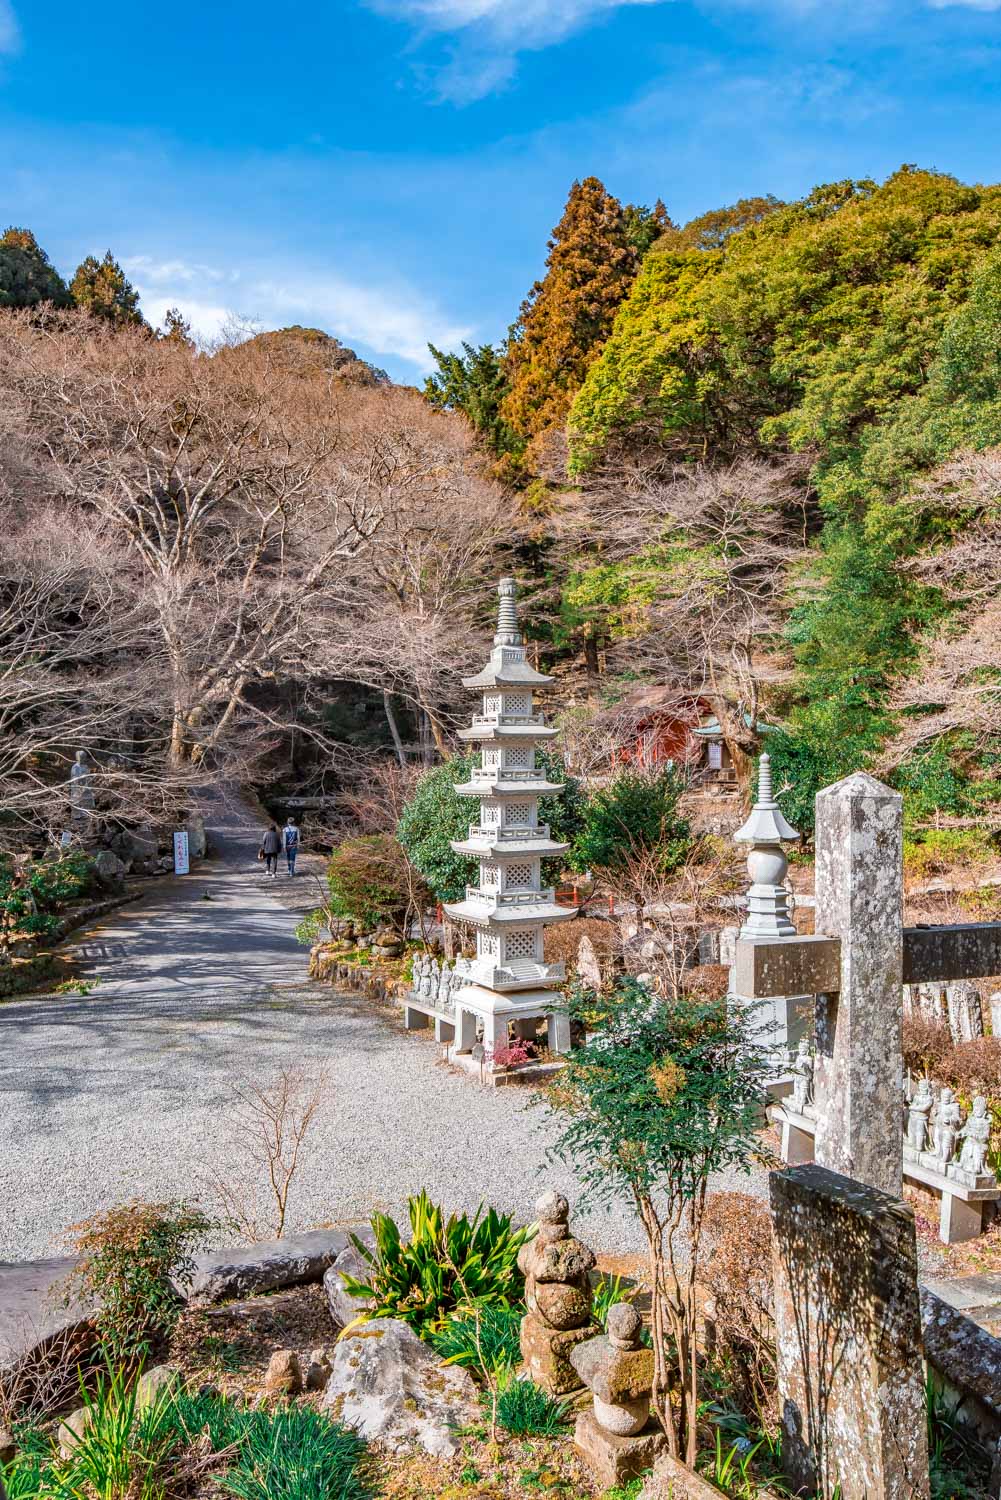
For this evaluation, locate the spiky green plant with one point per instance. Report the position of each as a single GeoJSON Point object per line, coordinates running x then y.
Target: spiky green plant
{"type": "Point", "coordinates": [484, 1338]}
{"type": "Point", "coordinates": [525, 1410]}
{"type": "Point", "coordinates": [446, 1264]}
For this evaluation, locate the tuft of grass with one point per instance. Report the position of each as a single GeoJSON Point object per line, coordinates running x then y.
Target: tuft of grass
{"type": "Point", "coordinates": [484, 1338]}
{"type": "Point", "coordinates": [294, 1453]}
{"type": "Point", "coordinates": [525, 1410]}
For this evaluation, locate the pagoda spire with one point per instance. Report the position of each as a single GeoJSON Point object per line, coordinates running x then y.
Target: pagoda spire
{"type": "Point", "coordinates": [508, 633]}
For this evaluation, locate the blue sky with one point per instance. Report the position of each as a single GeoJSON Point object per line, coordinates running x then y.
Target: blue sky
{"type": "Point", "coordinates": [390, 170]}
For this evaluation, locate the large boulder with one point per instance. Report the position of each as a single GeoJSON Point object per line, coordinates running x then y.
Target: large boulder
{"type": "Point", "coordinates": [250, 1270]}
{"type": "Point", "coordinates": [34, 1318]}
{"type": "Point", "coordinates": [197, 841]}
{"type": "Point", "coordinates": [343, 1307]}
{"type": "Point", "coordinates": [396, 1392]}
{"type": "Point", "coordinates": [109, 869]}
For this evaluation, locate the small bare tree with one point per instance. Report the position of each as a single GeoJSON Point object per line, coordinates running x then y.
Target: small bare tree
{"type": "Point", "coordinates": [268, 1126]}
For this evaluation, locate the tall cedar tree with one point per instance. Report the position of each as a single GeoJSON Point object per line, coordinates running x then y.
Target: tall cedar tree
{"type": "Point", "coordinates": [101, 287]}
{"type": "Point", "coordinates": [568, 314]}
{"type": "Point", "coordinates": [26, 275]}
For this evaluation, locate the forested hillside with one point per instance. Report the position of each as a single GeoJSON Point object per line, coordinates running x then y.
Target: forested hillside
{"type": "Point", "coordinates": [757, 464]}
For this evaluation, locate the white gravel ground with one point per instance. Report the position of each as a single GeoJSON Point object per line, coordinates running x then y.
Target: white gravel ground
{"type": "Point", "coordinates": [128, 1091]}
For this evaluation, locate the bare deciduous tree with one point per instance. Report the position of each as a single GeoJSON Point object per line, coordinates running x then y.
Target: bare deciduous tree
{"type": "Point", "coordinates": [719, 546]}
{"type": "Point", "coordinates": [268, 1125]}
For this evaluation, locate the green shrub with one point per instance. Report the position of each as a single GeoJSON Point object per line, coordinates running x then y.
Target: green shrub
{"type": "Point", "coordinates": [31, 894]}
{"type": "Point", "coordinates": [128, 1453]}
{"type": "Point", "coordinates": [525, 1410]}
{"type": "Point", "coordinates": [436, 814]}
{"type": "Point", "coordinates": [370, 883]}
{"type": "Point", "coordinates": [295, 1453]}
{"type": "Point", "coordinates": [635, 818]}
{"type": "Point", "coordinates": [485, 1338]}
{"type": "Point", "coordinates": [124, 1452]}
{"type": "Point", "coordinates": [130, 1257]}
{"type": "Point", "coordinates": [447, 1264]}
{"type": "Point", "coordinates": [939, 849]}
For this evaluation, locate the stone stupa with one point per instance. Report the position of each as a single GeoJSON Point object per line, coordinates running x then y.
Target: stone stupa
{"type": "Point", "coordinates": [507, 989]}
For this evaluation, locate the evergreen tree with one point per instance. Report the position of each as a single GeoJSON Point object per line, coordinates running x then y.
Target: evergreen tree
{"type": "Point", "coordinates": [568, 314]}
{"type": "Point", "coordinates": [176, 328]}
{"type": "Point", "coordinates": [101, 287]}
{"type": "Point", "coordinates": [645, 225]}
{"type": "Point", "coordinates": [473, 382]}
{"type": "Point", "coordinates": [26, 274]}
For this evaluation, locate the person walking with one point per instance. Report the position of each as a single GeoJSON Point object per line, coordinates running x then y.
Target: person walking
{"type": "Point", "coordinates": [271, 847]}
{"type": "Point", "coordinates": [290, 839]}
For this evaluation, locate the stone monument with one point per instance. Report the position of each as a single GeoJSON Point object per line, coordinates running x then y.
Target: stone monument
{"type": "Point", "coordinates": [781, 1019]}
{"type": "Point", "coordinates": [848, 1338]}
{"type": "Point", "coordinates": [509, 981]}
{"type": "Point", "coordinates": [616, 1438]}
{"type": "Point", "coordinates": [81, 791]}
{"type": "Point", "coordinates": [555, 1266]}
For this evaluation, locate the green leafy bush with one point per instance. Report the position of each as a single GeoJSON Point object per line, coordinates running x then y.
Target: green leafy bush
{"type": "Point", "coordinates": [436, 814]}
{"type": "Point", "coordinates": [635, 819]}
{"type": "Point", "coordinates": [370, 883]}
{"type": "Point", "coordinates": [484, 1338]}
{"type": "Point", "coordinates": [525, 1410]}
{"type": "Point", "coordinates": [132, 1453]}
{"type": "Point", "coordinates": [447, 1264]}
{"type": "Point", "coordinates": [937, 850]}
{"type": "Point", "coordinates": [130, 1256]}
{"type": "Point", "coordinates": [31, 894]}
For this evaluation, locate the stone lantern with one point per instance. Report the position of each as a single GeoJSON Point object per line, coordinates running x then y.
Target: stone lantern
{"type": "Point", "coordinates": [508, 983]}
{"type": "Point", "coordinates": [766, 830]}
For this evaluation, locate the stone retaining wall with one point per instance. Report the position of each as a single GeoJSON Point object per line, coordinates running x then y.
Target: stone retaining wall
{"type": "Point", "coordinates": [44, 966]}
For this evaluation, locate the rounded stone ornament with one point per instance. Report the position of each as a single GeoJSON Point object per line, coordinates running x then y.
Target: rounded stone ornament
{"type": "Point", "coordinates": [562, 1306]}
{"type": "Point", "coordinates": [624, 1420]}
{"type": "Point", "coordinates": [623, 1325]}
{"type": "Point", "coordinates": [552, 1208]}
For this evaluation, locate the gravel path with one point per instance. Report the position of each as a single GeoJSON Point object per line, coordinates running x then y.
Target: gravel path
{"type": "Point", "coordinates": [128, 1091]}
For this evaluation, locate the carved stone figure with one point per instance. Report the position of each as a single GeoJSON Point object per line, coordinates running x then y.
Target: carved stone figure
{"type": "Point", "coordinates": [918, 1114]}
{"type": "Point", "coordinates": [975, 1135]}
{"type": "Point", "coordinates": [81, 791]}
{"type": "Point", "coordinates": [802, 1088]}
{"type": "Point", "coordinates": [948, 1118]}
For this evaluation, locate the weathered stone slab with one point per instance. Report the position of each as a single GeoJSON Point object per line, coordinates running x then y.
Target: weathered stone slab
{"type": "Point", "coordinates": [803, 966]}
{"type": "Point", "coordinates": [970, 949]}
{"type": "Point", "coordinates": [966, 1355]}
{"type": "Point", "coordinates": [858, 1075]}
{"type": "Point", "coordinates": [343, 1307]}
{"type": "Point", "coordinates": [31, 1311]}
{"type": "Point", "coordinates": [613, 1459]}
{"type": "Point", "coordinates": [670, 1480]}
{"type": "Point", "coordinates": [249, 1270]}
{"type": "Point", "coordinates": [396, 1392]}
{"type": "Point", "coordinates": [848, 1338]}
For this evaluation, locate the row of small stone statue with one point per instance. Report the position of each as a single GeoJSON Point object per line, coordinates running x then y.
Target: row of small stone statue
{"type": "Point", "coordinates": [435, 982]}
{"type": "Point", "coordinates": [936, 1127]}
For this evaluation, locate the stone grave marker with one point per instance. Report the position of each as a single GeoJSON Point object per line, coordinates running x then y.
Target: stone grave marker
{"type": "Point", "coordinates": [848, 1338]}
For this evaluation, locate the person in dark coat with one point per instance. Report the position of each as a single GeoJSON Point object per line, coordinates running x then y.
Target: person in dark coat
{"type": "Point", "coordinates": [271, 847]}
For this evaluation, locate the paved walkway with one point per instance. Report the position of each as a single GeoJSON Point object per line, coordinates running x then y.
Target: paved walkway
{"type": "Point", "coordinates": [128, 1091]}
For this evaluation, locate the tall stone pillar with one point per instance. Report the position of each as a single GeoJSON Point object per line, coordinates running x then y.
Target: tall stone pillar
{"type": "Point", "coordinates": [858, 1079]}
{"type": "Point", "coordinates": [848, 1338]}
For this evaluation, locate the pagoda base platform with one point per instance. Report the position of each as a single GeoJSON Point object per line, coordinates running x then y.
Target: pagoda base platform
{"type": "Point", "coordinates": [507, 1013]}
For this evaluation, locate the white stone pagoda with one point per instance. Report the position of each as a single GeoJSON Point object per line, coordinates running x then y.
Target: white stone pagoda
{"type": "Point", "coordinates": [508, 984]}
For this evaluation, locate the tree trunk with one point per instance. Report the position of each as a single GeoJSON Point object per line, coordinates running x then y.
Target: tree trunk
{"type": "Point", "coordinates": [387, 703]}
{"type": "Point", "coordinates": [592, 659]}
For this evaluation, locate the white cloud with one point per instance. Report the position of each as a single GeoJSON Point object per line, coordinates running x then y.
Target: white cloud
{"type": "Point", "coordinates": [521, 23]}
{"type": "Point", "coordinates": [10, 35]}
{"type": "Point", "coordinates": [388, 321]}
{"type": "Point", "coordinates": [492, 33]}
